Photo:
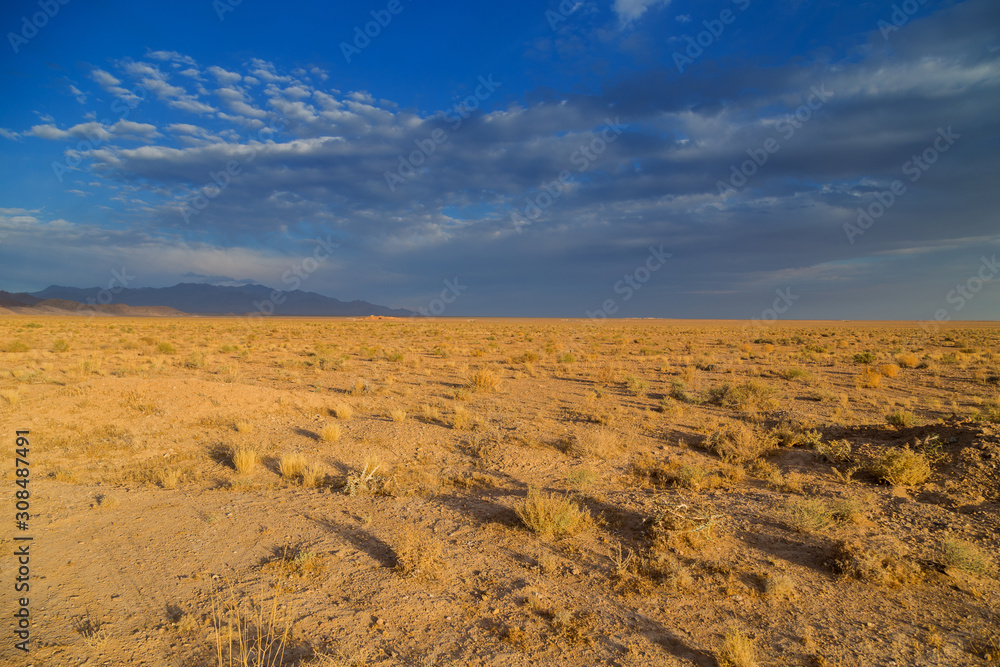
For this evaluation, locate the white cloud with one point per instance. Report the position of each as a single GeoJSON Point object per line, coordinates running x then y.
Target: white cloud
{"type": "Point", "coordinates": [224, 76]}
{"type": "Point", "coordinates": [630, 10]}
{"type": "Point", "coordinates": [129, 128]}
{"type": "Point", "coordinates": [92, 130]}
{"type": "Point", "coordinates": [81, 97]}
{"type": "Point", "coordinates": [172, 56]}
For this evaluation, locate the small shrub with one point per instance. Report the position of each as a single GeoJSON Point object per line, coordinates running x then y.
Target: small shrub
{"type": "Point", "coordinates": [599, 443]}
{"type": "Point", "coordinates": [789, 434]}
{"type": "Point", "coordinates": [419, 555]}
{"type": "Point", "coordinates": [485, 379]}
{"type": "Point", "coordinates": [834, 451]}
{"type": "Point", "coordinates": [166, 348]}
{"type": "Point", "coordinates": [901, 419]}
{"type": "Point", "coordinates": [779, 586]}
{"type": "Point", "coordinates": [690, 476]}
{"type": "Point", "coordinates": [460, 419]}
{"type": "Point", "coordinates": [16, 346]}
{"type": "Point", "coordinates": [12, 396]}
{"type": "Point", "coordinates": [865, 358]}
{"type": "Point", "coordinates": [738, 442]}
{"type": "Point", "coordinates": [606, 375]}
{"type": "Point", "coordinates": [882, 561]}
{"type": "Point", "coordinates": [364, 481]}
{"type": "Point", "coordinates": [869, 379]}
{"type": "Point", "coordinates": [429, 413]}
{"type": "Point", "coordinates": [551, 515]}
{"type": "Point", "coordinates": [907, 360]}
{"type": "Point", "coordinates": [635, 385]}
{"type": "Point", "coordinates": [297, 562]}
{"type": "Point", "coordinates": [60, 346]}
{"type": "Point", "coordinates": [964, 556]}
{"type": "Point", "coordinates": [397, 415]}
{"type": "Point", "coordinates": [242, 426]}
{"type": "Point", "coordinates": [817, 514]}
{"type": "Point", "coordinates": [902, 467]}
{"type": "Point", "coordinates": [581, 478]}
{"type": "Point", "coordinates": [889, 370]}
{"type": "Point", "coordinates": [745, 397]}
{"type": "Point", "coordinates": [794, 374]}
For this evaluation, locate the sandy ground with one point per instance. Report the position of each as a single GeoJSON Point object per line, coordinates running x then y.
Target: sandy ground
{"type": "Point", "coordinates": [142, 526]}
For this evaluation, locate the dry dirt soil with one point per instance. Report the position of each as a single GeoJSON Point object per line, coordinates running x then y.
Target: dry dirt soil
{"type": "Point", "coordinates": [501, 492]}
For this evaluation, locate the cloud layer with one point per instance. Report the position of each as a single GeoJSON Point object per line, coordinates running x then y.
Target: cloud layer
{"type": "Point", "coordinates": [752, 177]}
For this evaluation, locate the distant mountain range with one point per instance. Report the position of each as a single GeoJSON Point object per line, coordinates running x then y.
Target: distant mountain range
{"type": "Point", "coordinates": [194, 298]}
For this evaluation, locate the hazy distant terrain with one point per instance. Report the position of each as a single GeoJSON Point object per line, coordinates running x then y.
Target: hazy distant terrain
{"type": "Point", "coordinates": [196, 298]}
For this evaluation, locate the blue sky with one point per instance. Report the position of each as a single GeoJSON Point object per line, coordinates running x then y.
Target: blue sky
{"type": "Point", "coordinates": [628, 157]}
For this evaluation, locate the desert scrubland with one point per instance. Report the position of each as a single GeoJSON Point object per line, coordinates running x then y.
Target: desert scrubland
{"type": "Point", "coordinates": [504, 492]}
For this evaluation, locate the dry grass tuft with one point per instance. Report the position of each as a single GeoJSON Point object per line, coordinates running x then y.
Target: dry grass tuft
{"type": "Point", "coordinates": [419, 555]}
{"type": "Point", "coordinates": [907, 360]}
{"type": "Point", "coordinates": [834, 451]}
{"type": "Point", "coordinates": [329, 433]}
{"type": "Point", "coordinates": [313, 476]}
{"type": "Point", "coordinates": [902, 419]}
{"type": "Point", "coordinates": [168, 478]}
{"type": "Point", "coordinates": [738, 649]}
{"type": "Point", "coordinates": [244, 458]}
{"type": "Point", "coordinates": [601, 443]}
{"type": "Point", "coordinates": [250, 632]}
{"type": "Point", "coordinates": [461, 418]}
{"type": "Point", "coordinates": [292, 465]}
{"type": "Point", "coordinates": [883, 561]}
{"type": "Point", "coordinates": [12, 396]}
{"type": "Point", "coordinates": [779, 587]}
{"type": "Point", "coordinates": [552, 515]}
{"type": "Point", "coordinates": [297, 562]}
{"type": "Point", "coordinates": [397, 415]}
{"type": "Point", "coordinates": [342, 411]}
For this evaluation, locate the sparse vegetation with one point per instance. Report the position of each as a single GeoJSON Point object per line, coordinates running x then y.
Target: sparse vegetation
{"type": "Point", "coordinates": [738, 442]}
{"type": "Point", "coordinates": [963, 555]}
{"type": "Point", "coordinates": [670, 475]}
{"type": "Point", "coordinates": [329, 433]}
{"type": "Point", "coordinates": [551, 515]}
{"type": "Point", "coordinates": [419, 555]}
{"type": "Point", "coordinates": [902, 467]}
{"type": "Point", "coordinates": [244, 459]}
{"type": "Point", "coordinates": [342, 411]}
{"type": "Point", "coordinates": [901, 418]}
{"type": "Point", "coordinates": [485, 379]}
{"type": "Point", "coordinates": [738, 649]}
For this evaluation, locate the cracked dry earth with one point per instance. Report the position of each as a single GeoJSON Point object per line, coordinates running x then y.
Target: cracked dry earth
{"type": "Point", "coordinates": [150, 548]}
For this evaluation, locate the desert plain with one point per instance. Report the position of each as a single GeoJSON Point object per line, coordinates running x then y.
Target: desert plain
{"type": "Point", "coordinates": [233, 491]}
